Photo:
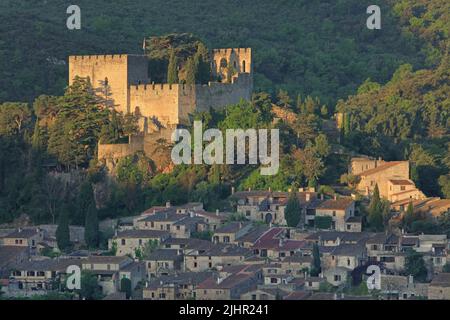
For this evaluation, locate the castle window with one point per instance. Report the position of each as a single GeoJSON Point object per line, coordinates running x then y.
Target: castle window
{"type": "Point", "coordinates": [223, 63]}
{"type": "Point", "coordinates": [243, 66]}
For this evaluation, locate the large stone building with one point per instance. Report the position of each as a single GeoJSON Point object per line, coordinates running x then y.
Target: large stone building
{"type": "Point", "coordinates": [392, 178]}
{"type": "Point", "coordinates": [124, 83]}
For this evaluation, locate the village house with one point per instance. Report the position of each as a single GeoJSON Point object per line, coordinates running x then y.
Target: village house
{"type": "Point", "coordinates": [128, 242]}
{"type": "Point", "coordinates": [269, 206]}
{"type": "Point", "coordinates": [213, 219]}
{"type": "Point", "coordinates": [385, 249]}
{"type": "Point", "coordinates": [349, 256]}
{"type": "Point", "coordinates": [297, 264]}
{"type": "Point", "coordinates": [391, 177]}
{"type": "Point", "coordinates": [265, 294]}
{"type": "Point", "coordinates": [395, 287]}
{"type": "Point", "coordinates": [338, 209]}
{"type": "Point", "coordinates": [180, 286]}
{"type": "Point", "coordinates": [336, 276]}
{"type": "Point", "coordinates": [24, 237]}
{"type": "Point", "coordinates": [335, 238]}
{"type": "Point", "coordinates": [38, 276]}
{"type": "Point", "coordinates": [229, 232]}
{"type": "Point", "coordinates": [164, 262]}
{"type": "Point", "coordinates": [248, 239]}
{"type": "Point", "coordinates": [230, 284]}
{"type": "Point", "coordinates": [218, 254]}
{"type": "Point", "coordinates": [439, 288]}
{"type": "Point", "coordinates": [274, 245]}
{"type": "Point", "coordinates": [179, 222]}
{"type": "Point", "coordinates": [9, 256]}
{"type": "Point", "coordinates": [432, 208]}
{"type": "Point", "coordinates": [111, 269]}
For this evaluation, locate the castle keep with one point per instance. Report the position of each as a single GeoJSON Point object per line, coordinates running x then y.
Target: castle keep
{"type": "Point", "coordinates": [124, 82]}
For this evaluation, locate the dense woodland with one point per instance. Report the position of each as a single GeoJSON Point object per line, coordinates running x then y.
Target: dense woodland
{"type": "Point", "coordinates": [312, 59]}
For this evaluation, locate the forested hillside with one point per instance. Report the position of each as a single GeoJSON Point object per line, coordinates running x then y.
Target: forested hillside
{"type": "Point", "coordinates": [311, 47]}
{"type": "Point", "coordinates": [390, 85]}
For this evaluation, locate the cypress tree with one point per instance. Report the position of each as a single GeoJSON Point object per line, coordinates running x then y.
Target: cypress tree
{"type": "Point", "coordinates": [172, 69]}
{"type": "Point", "coordinates": [292, 211]}
{"type": "Point", "coordinates": [375, 217]}
{"type": "Point", "coordinates": [63, 231]}
{"type": "Point", "coordinates": [316, 267]}
{"type": "Point", "coordinates": [190, 71]}
{"type": "Point", "coordinates": [86, 207]}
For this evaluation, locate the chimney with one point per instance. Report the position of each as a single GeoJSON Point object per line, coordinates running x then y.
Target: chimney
{"type": "Point", "coordinates": [281, 242]}
{"type": "Point", "coordinates": [168, 204]}
{"type": "Point", "coordinates": [19, 230]}
{"type": "Point", "coordinates": [270, 189]}
{"type": "Point", "coordinates": [191, 214]}
{"type": "Point", "coordinates": [249, 189]}
{"type": "Point", "coordinates": [410, 279]}
{"type": "Point", "coordinates": [335, 296]}
{"type": "Point", "coordinates": [335, 197]}
{"type": "Point", "coordinates": [308, 197]}
{"type": "Point", "coordinates": [321, 196]}
{"type": "Point", "coordinates": [217, 212]}
{"type": "Point", "coordinates": [232, 190]}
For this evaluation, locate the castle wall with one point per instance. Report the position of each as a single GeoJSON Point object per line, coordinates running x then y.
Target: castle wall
{"type": "Point", "coordinates": [157, 101]}
{"type": "Point", "coordinates": [118, 70]}
{"type": "Point", "coordinates": [216, 95]}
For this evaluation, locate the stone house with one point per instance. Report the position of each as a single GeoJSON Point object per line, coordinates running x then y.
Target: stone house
{"type": "Point", "coordinates": [128, 241]}
{"type": "Point", "coordinates": [38, 276]}
{"type": "Point", "coordinates": [385, 249]}
{"type": "Point", "coordinates": [395, 287]}
{"type": "Point", "coordinates": [164, 262]}
{"type": "Point", "coordinates": [229, 232]}
{"type": "Point", "coordinates": [337, 276]}
{"type": "Point", "coordinates": [391, 177]}
{"type": "Point", "coordinates": [230, 285]}
{"type": "Point", "coordinates": [264, 294]}
{"type": "Point", "coordinates": [339, 209]}
{"type": "Point", "coordinates": [111, 269]}
{"type": "Point", "coordinates": [24, 237]}
{"type": "Point", "coordinates": [198, 260]}
{"type": "Point", "coordinates": [439, 288]}
{"type": "Point", "coordinates": [180, 286]}
{"type": "Point", "coordinates": [348, 256]}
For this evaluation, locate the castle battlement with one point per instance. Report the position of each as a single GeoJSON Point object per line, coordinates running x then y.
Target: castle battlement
{"type": "Point", "coordinates": [104, 56]}
{"type": "Point", "coordinates": [230, 50]}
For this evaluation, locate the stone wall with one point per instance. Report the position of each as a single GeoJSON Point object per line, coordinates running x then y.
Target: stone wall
{"type": "Point", "coordinates": [115, 70]}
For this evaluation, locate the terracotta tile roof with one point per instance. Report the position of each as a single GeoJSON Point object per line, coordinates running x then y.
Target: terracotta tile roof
{"type": "Point", "coordinates": [150, 234]}
{"type": "Point", "coordinates": [380, 168]}
{"type": "Point", "coordinates": [399, 182]}
{"type": "Point", "coordinates": [338, 204]}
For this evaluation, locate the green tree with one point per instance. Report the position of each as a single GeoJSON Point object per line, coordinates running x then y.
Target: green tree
{"type": "Point", "coordinates": [415, 265]}
{"type": "Point", "coordinates": [63, 231]}
{"type": "Point", "coordinates": [283, 99]}
{"type": "Point", "coordinates": [125, 286]}
{"type": "Point", "coordinates": [86, 207]}
{"type": "Point", "coordinates": [292, 211]}
{"type": "Point", "coordinates": [90, 289]}
{"type": "Point", "coordinates": [191, 71]}
{"type": "Point", "coordinates": [375, 214]}
{"type": "Point", "coordinates": [316, 266]}
{"type": "Point", "coordinates": [172, 72]}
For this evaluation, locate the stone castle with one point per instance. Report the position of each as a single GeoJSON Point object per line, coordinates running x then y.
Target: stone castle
{"type": "Point", "coordinates": [161, 107]}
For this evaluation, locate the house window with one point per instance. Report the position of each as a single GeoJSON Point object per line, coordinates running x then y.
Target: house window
{"type": "Point", "coordinates": [210, 265]}
{"type": "Point", "coordinates": [337, 277]}
{"type": "Point", "coordinates": [162, 295]}
{"type": "Point", "coordinates": [247, 213]}
{"type": "Point", "coordinates": [178, 228]}
{"type": "Point", "coordinates": [243, 66]}
{"type": "Point", "coordinates": [334, 213]}
{"type": "Point", "coordinates": [349, 226]}
{"type": "Point", "coordinates": [253, 296]}
{"type": "Point", "coordinates": [123, 242]}
{"type": "Point", "coordinates": [348, 262]}
{"type": "Point", "coordinates": [152, 224]}
{"type": "Point", "coordinates": [195, 264]}
{"type": "Point", "coordinates": [273, 280]}
{"type": "Point", "coordinates": [402, 188]}
{"type": "Point", "coordinates": [140, 242]}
